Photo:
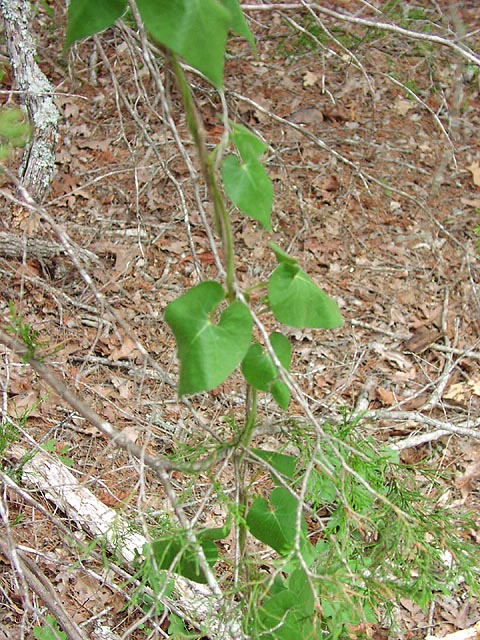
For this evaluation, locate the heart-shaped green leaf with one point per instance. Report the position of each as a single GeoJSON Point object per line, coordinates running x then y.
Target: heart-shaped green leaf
{"type": "Point", "coordinates": [260, 371]}
{"type": "Point", "coordinates": [280, 393]}
{"type": "Point", "coordinates": [208, 352]}
{"type": "Point", "coordinates": [86, 17]}
{"type": "Point", "coordinates": [249, 146]}
{"type": "Point", "coordinates": [298, 302]}
{"type": "Point", "coordinates": [274, 522]}
{"type": "Point", "coordinates": [248, 186]}
{"type": "Point", "coordinates": [194, 29]}
{"type": "Point", "coordinates": [174, 553]}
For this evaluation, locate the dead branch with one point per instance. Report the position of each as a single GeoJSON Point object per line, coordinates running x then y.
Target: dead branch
{"type": "Point", "coordinates": [13, 245]}
{"type": "Point", "coordinates": [461, 50]}
{"type": "Point", "coordinates": [441, 428]}
{"type": "Point", "coordinates": [44, 589]}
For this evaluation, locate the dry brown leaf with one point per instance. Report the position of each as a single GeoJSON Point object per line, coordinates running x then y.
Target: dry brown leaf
{"type": "Point", "coordinates": [474, 169]}
{"type": "Point", "coordinates": [422, 340]}
{"type": "Point", "coordinates": [250, 237]}
{"type": "Point", "coordinates": [28, 404]}
{"type": "Point", "coordinates": [310, 79]}
{"type": "Point", "coordinates": [26, 220]}
{"type": "Point", "coordinates": [309, 115]}
{"type": "Point", "coordinates": [330, 184]}
{"type": "Point", "coordinates": [471, 202]}
{"type": "Point", "coordinates": [466, 480]}
{"type": "Point", "coordinates": [386, 396]}
{"type": "Point", "coordinates": [124, 351]}
{"type": "Point", "coordinates": [461, 392]}
{"type": "Point", "coordinates": [403, 106]}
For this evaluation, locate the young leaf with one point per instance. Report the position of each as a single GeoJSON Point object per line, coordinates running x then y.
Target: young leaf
{"type": "Point", "coordinates": [14, 130]}
{"type": "Point", "coordinates": [258, 368]}
{"type": "Point", "coordinates": [260, 371]}
{"type": "Point", "coordinates": [239, 24]}
{"type": "Point", "coordinates": [50, 631]}
{"type": "Point", "coordinates": [86, 17]}
{"type": "Point", "coordinates": [298, 302]}
{"type": "Point", "coordinates": [248, 186]}
{"type": "Point", "coordinates": [194, 29]}
{"type": "Point", "coordinates": [274, 523]}
{"type": "Point", "coordinates": [208, 352]}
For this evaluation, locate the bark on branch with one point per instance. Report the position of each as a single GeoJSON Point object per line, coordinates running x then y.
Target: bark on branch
{"type": "Point", "coordinates": [36, 94]}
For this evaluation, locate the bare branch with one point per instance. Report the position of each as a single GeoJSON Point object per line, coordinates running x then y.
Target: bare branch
{"type": "Point", "coordinates": [461, 50]}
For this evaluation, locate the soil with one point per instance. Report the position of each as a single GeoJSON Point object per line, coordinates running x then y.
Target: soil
{"type": "Point", "coordinates": [374, 152]}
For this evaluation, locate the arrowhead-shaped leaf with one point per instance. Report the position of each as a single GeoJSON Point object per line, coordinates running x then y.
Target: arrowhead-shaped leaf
{"type": "Point", "coordinates": [208, 352]}
{"type": "Point", "coordinates": [289, 611]}
{"type": "Point", "coordinates": [248, 186]}
{"type": "Point", "coordinates": [194, 29]}
{"type": "Point", "coordinates": [86, 17]}
{"type": "Point", "coordinates": [250, 146]}
{"type": "Point", "coordinates": [298, 302]}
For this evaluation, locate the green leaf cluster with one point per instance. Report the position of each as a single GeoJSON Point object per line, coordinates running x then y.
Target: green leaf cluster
{"type": "Point", "coordinates": [212, 330]}
{"type": "Point", "coordinates": [182, 26]}
{"type": "Point", "coordinates": [381, 538]}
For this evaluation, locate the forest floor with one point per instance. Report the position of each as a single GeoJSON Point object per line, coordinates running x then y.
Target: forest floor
{"type": "Point", "coordinates": [375, 157]}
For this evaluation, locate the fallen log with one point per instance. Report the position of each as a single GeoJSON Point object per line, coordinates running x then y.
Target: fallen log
{"type": "Point", "coordinates": [193, 601]}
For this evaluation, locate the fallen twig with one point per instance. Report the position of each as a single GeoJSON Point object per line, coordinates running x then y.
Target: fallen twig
{"type": "Point", "coordinates": [441, 428]}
